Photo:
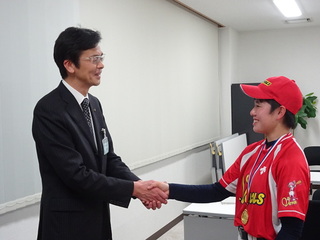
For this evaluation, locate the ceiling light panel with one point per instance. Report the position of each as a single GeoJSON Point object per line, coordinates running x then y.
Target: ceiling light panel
{"type": "Point", "coordinates": [289, 8]}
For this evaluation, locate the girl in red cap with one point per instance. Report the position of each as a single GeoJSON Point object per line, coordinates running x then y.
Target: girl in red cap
{"type": "Point", "coordinates": [270, 178]}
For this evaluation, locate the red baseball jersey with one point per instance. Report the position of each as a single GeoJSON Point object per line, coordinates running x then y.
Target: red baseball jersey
{"type": "Point", "coordinates": [269, 183]}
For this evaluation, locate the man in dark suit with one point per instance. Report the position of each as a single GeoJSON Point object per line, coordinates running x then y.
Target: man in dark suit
{"type": "Point", "coordinates": [80, 172]}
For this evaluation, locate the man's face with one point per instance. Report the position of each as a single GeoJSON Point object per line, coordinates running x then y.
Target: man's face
{"type": "Point", "coordinates": [89, 71]}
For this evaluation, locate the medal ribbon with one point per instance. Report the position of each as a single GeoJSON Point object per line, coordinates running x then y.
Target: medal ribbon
{"type": "Point", "coordinates": [255, 168]}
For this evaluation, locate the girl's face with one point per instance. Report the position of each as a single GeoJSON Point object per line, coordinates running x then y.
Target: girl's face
{"type": "Point", "coordinates": [264, 121]}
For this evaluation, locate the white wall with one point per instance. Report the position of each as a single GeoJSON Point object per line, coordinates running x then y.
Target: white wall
{"type": "Point", "coordinates": [160, 77]}
{"type": "Point", "coordinates": [28, 31]}
{"type": "Point", "coordinates": [21, 224]}
{"type": "Point", "coordinates": [228, 49]}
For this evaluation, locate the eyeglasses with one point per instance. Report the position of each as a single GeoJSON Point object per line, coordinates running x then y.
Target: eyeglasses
{"type": "Point", "coordinates": [95, 59]}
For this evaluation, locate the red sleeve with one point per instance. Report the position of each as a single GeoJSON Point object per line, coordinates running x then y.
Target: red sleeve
{"type": "Point", "coordinates": [292, 177]}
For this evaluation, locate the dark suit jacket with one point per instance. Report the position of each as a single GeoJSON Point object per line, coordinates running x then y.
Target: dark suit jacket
{"type": "Point", "coordinates": [78, 180]}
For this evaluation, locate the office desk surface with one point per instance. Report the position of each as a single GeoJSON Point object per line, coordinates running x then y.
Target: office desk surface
{"type": "Point", "coordinates": [315, 177]}
{"type": "Point", "coordinates": [225, 209]}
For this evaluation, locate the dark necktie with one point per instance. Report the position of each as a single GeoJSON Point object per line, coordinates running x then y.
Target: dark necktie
{"type": "Point", "coordinates": [86, 112]}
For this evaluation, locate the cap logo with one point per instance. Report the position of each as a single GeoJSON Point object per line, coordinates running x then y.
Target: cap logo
{"type": "Point", "coordinates": [267, 83]}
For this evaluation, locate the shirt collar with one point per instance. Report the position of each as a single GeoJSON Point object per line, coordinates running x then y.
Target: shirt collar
{"type": "Point", "coordinates": [77, 95]}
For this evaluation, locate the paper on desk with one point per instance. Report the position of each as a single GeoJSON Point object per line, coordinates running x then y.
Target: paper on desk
{"type": "Point", "coordinates": [229, 200]}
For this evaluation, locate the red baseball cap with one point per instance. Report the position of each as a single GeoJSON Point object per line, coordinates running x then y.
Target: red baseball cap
{"type": "Point", "coordinates": [283, 90]}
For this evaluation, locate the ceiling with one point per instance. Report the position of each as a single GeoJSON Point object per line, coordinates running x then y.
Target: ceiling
{"type": "Point", "coordinates": [251, 15]}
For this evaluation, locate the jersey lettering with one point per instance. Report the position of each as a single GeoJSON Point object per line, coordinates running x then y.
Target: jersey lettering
{"type": "Point", "coordinates": [255, 198]}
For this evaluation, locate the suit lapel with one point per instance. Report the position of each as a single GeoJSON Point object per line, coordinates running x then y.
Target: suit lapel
{"type": "Point", "coordinates": [98, 126]}
{"type": "Point", "coordinates": [76, 114]}
{"type": "Point", "coordinates": [97, 121]}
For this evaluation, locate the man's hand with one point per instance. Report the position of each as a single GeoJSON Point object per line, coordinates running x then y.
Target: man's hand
{"type": "Point", "coordinates": [151, 197]}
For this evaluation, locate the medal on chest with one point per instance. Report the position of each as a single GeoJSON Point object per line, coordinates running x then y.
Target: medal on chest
{"type": "Point", "coordinates": [245, 217]}
{"type": "Point", "coordinates": [258, 168]}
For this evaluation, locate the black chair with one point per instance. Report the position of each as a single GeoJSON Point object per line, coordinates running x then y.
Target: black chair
{"type": "Point", "coordinates": [311, 225]}
{"type": "Point", "coordinates": [316, 195]}
{"type": "Point", "coordinates": [313, 157]}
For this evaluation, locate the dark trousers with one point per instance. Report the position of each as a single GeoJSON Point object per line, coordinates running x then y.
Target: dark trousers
{"type": "Point", "coordinates": [244, 235]}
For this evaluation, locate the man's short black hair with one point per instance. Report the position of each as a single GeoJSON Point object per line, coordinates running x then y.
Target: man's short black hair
{"type": "Point", "coordinates": [71, 43]}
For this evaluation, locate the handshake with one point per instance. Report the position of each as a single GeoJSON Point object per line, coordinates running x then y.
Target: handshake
{"type": "Point", "coordinates": [151, 193]}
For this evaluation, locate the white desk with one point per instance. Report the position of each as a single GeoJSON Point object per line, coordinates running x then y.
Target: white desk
{"type": "Point", "coordinates": [314, 168]}
{"type": "Point", "coordinates": [214, 221]}
{"type": "Point", "coordinates": [315, 177]}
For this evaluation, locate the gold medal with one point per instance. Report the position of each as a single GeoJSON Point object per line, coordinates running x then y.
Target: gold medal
{"type": "Point", "coordinates": [244, 217]}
